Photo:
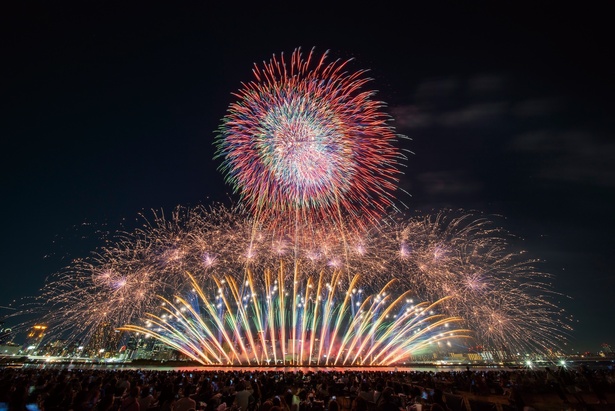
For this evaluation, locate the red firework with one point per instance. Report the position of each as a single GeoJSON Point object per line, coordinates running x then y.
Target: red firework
{"type": "Point", "coordinates": [305, 140]}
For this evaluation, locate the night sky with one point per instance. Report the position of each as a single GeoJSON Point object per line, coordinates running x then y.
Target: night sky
{"type": "Point", "coordinates": [108, 110]}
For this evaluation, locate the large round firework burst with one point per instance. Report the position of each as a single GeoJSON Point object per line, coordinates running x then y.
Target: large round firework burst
{"type": "Point", "coordinates": [306, 141]}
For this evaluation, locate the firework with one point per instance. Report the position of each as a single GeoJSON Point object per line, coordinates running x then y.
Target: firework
{"type": "Point", "coordinates": [313, 323]}
{"type": "Point", "coordinates": [312, 156]}
{"type": "Point", "coordinates": [462, 260]}
{"type": "Point", "coordinates": [306, 141]}
{"type": "Point", "coordinates": [508, 301]}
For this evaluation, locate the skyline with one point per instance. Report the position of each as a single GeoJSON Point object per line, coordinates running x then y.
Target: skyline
{"type": "Point", "coordinates": [107, 124]}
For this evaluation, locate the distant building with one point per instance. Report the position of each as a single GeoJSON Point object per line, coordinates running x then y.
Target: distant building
{"type": "Point", "coordinates": [144, 347]}
{"type": "Point", "coordinates": [9, 349]}
{"type": "Point", "coordinates": [6, 334]}
{"type": "Point", "coordinates": [163, 352]}
{"type": "Point", "coordinates": [56, 348]}
{"type": "Point", "coordinates": [34, 338]}
{"type": "Point", "coordinates": [104, 341]}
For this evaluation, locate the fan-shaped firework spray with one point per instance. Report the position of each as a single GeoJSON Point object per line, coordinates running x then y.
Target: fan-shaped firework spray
{"type": "Point", "coordinates": [335, 325]}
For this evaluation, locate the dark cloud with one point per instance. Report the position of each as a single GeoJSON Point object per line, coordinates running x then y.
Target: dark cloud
{"type": "Point", "coordinates": [449, 183]}
{"type": "Point", "coordinates": [569, 156]}
{"type": "Point", "coordinates": [473, 101]}
{"type": "Point", "coordinates": [436, 89]}
{"type": "Point", "coordinates": [536, 107]}
{"type": "Point", "coordinates": [481, 115]}
{"type": "Point", "coordinates": [486, 84]}
{"type": "Point", "coordinates": [475, 115]}
{"type": "Point", "coordinates": [411, 117]}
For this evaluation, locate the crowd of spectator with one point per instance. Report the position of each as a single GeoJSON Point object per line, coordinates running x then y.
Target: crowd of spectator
{"type": "Point", "coordinates": [51, 389]}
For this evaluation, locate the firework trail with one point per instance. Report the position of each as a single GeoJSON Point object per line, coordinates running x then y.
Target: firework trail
{"type": "Point", "coordinates": [335, 326]}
